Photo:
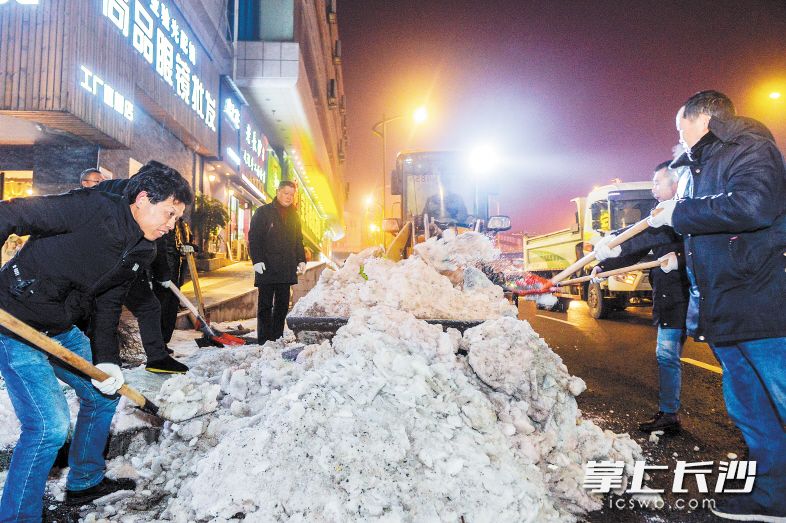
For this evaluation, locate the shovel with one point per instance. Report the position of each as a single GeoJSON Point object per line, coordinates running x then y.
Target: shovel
{"type": "Point", "coordinates": [52, 347]}
{"type": "Point", "coordinates": [589, 258]}
{"type": "Point", "coordinates": [622, 270]}
{"type": "Point", "coordinates": [218, 339]}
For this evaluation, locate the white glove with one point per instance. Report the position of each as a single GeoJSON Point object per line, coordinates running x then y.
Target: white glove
{"type": "Point", "coordinates": [186, 249]}
{"type": "Point", "coordinates": [663, 216]}
{"type": "Point", "coordinates": [165, 284]}
{"type": "Point", "coordinates": [259, 268]}
{"type": "Point", "coordinates": [113, 383]}
{"type": "Point", "coordinates": [603, 252]}
{"type": "Point", "coordinates": [301, 267]}
{"type": "Point", "coordinates": [669, 262]}
{"type": "Point", "coordinates": [595, 271]}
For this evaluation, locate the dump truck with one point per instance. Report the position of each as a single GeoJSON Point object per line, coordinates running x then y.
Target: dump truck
{"type": "Point", "coordinates": [438, 190]}
{"type": "Point", "coordinates": [603, 210]}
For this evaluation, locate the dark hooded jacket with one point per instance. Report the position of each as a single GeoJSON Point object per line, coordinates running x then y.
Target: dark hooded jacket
{"type": "Point", "coordinates": [85, 249]}
{"type": "Point", "coordinates": [734, 228]}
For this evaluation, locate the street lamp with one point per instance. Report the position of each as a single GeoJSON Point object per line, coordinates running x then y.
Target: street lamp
{"type": "Point", "coordinates": [775, 95]}
{"type": "Point", "coordinates": [420, 115]}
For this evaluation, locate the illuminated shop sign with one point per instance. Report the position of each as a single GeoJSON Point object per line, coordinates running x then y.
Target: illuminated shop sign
{"type": "Point", "coordinates": [232, 113]}
{"type": "Point", "coordinates": [254, 147]}
{"type": "Point", "coordinates": [94, 84]}
{"type": "Point", "coordinates": [165, 44]}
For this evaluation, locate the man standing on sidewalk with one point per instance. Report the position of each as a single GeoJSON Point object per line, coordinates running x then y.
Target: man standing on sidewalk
{"type": "Point", "coordinates": [275, 243]}
{"type": "Point", "coordinates": [669, 300]}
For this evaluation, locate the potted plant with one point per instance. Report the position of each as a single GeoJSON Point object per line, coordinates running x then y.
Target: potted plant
{"type": "Point", "coordinates": [208, 216]}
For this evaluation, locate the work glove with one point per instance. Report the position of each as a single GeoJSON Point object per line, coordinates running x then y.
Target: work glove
{"type": "Point", "coordinates": [186, 249]}
{"type": "Point", "coordinates": [595, 271]}
{"type": "Point", "coordinates": [165, 284]}
{"type": "Point", "coordinates": [668, 262]}
{"type": "Point", "coordinates": [113, 383]}
{"type": "Point", "coordinates": [301, 267]}
{"type": "Point", "coordinates": [603, 252]}
{"type": "Point", "coordinates": [259, 268]}
{"type": "Point", "coordinates": [662, 217]}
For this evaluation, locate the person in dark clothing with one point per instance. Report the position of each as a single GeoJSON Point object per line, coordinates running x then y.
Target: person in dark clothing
{"type": "Point", "coordinates": [177, 244]}
{"type": "Point", "coordinates": [86, 247]}
{"type": "Point", "coordinates": [669, 302]}
{"type": "Point", "coordinates": [90, 178]}
{"type": "Point", "coordinates": [734, 229]}
{"type": "Point", "coordinates": [275, 243]}
{"type": "Point", "coordinates": [142, 301]}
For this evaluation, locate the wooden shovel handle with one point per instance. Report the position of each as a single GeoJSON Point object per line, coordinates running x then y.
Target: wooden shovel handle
{"type": "Point", "coordinates": [614, 272]}
{"type": "Point", "coordinates": [617, 240]}
{"type": "Point", "coordinates": [52, 347]}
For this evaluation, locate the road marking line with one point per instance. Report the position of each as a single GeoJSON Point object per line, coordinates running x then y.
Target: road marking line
{"type": "Point", "coordinates": [703, 365]}
{"type": "Point", "coordinates": [555, 319]}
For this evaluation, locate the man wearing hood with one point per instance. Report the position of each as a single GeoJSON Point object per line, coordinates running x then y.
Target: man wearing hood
{"type": "Point", "coordinates": [734, 227]}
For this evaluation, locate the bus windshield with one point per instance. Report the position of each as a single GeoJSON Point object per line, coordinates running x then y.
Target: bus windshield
{"type": "Point", "coordinates": [436, 184]}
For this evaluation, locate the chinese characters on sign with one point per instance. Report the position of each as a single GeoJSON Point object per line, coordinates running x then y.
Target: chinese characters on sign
{"type": "Point", "coordinates": [98, 87]}
{"type": "Point", "coordinates": [232, 113]}
{"type": "Point", "coordinates": [605, 476]}
{"type": "Point", "coordinates": [254, 147]}
{"type": "Point", "coordinates": [165, 44]}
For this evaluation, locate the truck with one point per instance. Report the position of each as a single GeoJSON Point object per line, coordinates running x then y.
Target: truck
{"type": "Point", "coordinates": [438, 190]}
{"type": "Point", "coordinates": [603, 210]}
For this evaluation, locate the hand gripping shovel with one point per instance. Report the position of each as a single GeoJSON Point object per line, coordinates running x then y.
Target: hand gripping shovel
{"type": "Point", "coordinates": [589, 258]}
{"type": "Point", "coordinates": [52, 347]}
{"type": "Point", "coordinates": [218, 339]}
{"type": "Point", "coordinates": [622, 270]}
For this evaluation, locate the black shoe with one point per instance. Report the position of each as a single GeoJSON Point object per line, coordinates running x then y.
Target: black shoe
{"type": "Point", "coordinates": [665, 421]}
{"type": "Point", "coordinates": [168, 365]}
{"type": "Point", "coordinates": [742, 508]}
{"type": "Point", "coordinates": [106, 487]}
{"type": "Point", "coordinates": [169, 351]}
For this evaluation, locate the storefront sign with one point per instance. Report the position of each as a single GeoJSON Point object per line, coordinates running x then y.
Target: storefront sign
{"type": "Point", "coordinates": [99, 88]}
{"type": "Point", "coordinates": [232, 113]}
{"type": "Point", "coordinates": [165, 44]}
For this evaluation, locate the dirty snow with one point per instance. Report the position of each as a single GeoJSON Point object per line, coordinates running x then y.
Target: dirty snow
{"type": "Point", "coordinates": [415, 285]}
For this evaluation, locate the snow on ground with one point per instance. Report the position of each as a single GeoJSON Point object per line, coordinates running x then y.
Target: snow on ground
{"type": "Point", "coordinates": [391, 420]}
{"type": "Point", "coordinates": [414, 285]}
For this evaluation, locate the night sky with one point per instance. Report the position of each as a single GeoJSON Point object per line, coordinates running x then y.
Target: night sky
{"type": "Point", "coordinates": [571, 94]}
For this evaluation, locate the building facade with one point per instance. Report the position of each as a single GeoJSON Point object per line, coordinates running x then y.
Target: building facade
{"type": "Point", "coordinates": [113, 84]}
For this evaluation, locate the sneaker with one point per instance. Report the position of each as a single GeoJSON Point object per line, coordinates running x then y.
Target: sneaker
{"type": "Point", "coordinates": [168, 365]}
{"type": "Point", "coordinates": [665, 421]}
{"type": "Point", "coordinates": [742, 508]}
{"type": "Point", "coordinates": [106, 487]}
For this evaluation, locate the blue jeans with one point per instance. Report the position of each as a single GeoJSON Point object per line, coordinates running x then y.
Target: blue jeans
{"type": "Point", "coordinates": [754, 388]}
{"type": "Point", "coordinates": [40, 405]}
{"type": "Point", "coordinates": [668, 352]}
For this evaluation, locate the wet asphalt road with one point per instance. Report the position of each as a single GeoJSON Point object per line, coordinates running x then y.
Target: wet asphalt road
{"type": "Point", "coordinates": [616, 358]}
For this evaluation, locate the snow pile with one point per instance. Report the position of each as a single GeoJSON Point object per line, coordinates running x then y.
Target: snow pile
{"type": "Point", "coordinates": [367, 280]}
{"type": "Point", "coordinates": [386, 423]}
{"type": "Point", "coordinates": [453, 252]}
{"type": "Point", "coordinates": [182, 397]}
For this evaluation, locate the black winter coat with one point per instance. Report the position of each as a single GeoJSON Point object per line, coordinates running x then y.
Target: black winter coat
{"type": "Point", "coordinates": [735, 232]}
{"type": "Point", "coordinates": [669, 289]}
{"type": "Point", "coordinates": [277, 243]}
{"type": "Point", "coordinates": [84, 251]}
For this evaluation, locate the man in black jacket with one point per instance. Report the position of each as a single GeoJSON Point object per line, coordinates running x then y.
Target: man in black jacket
{"type": "Point", "coordinates": [275, 243]}
{"type": "Point", "coordinates": [734, 230]}
{"type": "Point", "coordinates": [669, 301]}
{"type": "Point", "coordinates": [85, 249]}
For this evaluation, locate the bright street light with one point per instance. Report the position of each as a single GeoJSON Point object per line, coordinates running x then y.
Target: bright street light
{"type": "Point", "coordinates": [483, 159]}
{"type": "Point", "coordinates": [369, 200]}
{"type": "Point", "coordinates": [775, 95]}
{"type": "Point", "coordinates": [373, 227]}
{"type": "Point", "coordinates": [420, 115]}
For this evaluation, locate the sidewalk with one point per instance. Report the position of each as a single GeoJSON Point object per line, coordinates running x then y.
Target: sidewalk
{"type": "Point", "coordinates": [228, 292]}
{"type": "Point", "coordinates": [222, 284]}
